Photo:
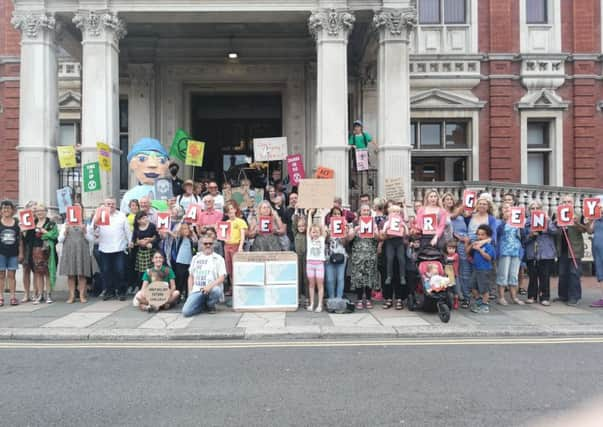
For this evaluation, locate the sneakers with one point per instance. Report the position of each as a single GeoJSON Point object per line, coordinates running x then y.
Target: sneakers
{"type": "Point", "coordinates": [597, 304]}
{"type": "Point", "coordinates": [484, 308]}
{"type": "Point", "coordinates": [572, 303]}
{"type": "Point", "coordinates": [318, 309]}
{"type": "Point", "coordinates": [49, 299]}
{"type": "Point", "coordinates": [522, 291]}
{"type": "Point", "coordinates": [37, 300]}
{"type": "Point", "coordinates": [531, 301]}
{"type": "Point", "coordinates": [547, 303]}
{"type": "Point", "coordinates": [465, 304]}
{"type": "Point", "coordinates": [310, 308]}
{"type": "Point", "coordinates": [475, 307]}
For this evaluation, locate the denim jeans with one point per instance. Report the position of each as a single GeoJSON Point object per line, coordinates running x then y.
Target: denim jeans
{"type": "Point", "coordinates": [570, 288]}
{"type": "Point", "coordinates": [196, 301]}
{"type": "Point", "coordinates": [335, 279]}
{"type": "Point", "coordinates": [113, 271]}
{"type": "Point", "coordinates": [395, 249]}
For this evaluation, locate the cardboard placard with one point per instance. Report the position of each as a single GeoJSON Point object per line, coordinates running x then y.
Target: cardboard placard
{"type": "Point", "coordinates": [538, 221]}
{"type": "Point", "coordinates": [194, 153]}
{"type": "Point", "coordinates": [163, 189]}
{"type": "Point", "coordinates": [26, 220]}
{"type": "Point", "coordinates": [429, 224]}
{"type": "Point", "coordinates": [517, 217]}
{"type": "Point", "coordinates": [269, 149]}
{"type": "Point", "coordinates": [366, 227]}
{"type": "Point", "coordinates": [223, 230]}
{"type": "Point", "coordinates": [164, 221]}
{"type": "Point", "coordinates": [394, 189]}
{"type": "Point", "coordinates": [66, 154]}
{"type": "Point", "coordinates": [244, 196]}
{"type": "Point", "coordinates": [157, 293]}
{"type": "Point", "coordinates": [565, 215]}
{"type": "Point", "coordinates": [324, 173]}
{"type": "Point", "coordinates": [265, 225]}
{"type": "Point", "coordinates": [295, 169]}
{"type": "Point", "coordinates": [469, 198]}
{"type": "Point", "coordinates": [63, 199]}
{"type": "Point", "coordinates": [104, 156]}
{"type": "Point", "coordinates": [395, 226]}
{"type": "Point", "coordinates": [103, 216]}
{"type": "Point", "coordinates": [193, 213]}
{"type": "Point", "coordinates": [591, 208]}
{"type": "Point", "coordinates": [73, 215]}
{"type": "Point", "coordinates": [362, 160]}
{"type": "Point", "coordinates": [316, 193]}
{"type": "Point", "coordinates": [337, 227]}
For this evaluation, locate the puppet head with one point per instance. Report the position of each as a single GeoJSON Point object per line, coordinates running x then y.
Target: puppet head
{"type": "Point", "coordinates": [149, 160]}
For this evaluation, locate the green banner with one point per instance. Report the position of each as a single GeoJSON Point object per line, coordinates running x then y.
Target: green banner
{"type": "Point", "coordinates": [179, 145]}
{"type": "Point", "coordinates": [92, 180]}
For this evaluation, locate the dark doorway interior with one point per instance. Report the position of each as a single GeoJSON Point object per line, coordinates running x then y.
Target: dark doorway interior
{"type": "Point", "coordinates": [228, 123]}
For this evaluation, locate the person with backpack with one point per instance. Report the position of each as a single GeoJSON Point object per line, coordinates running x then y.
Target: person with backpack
{"type": "Point", "coordinates": [182, 249]}
{"type": "Point", "coordinates": [187, 197]}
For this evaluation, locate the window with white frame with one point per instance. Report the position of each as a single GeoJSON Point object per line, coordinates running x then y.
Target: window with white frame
{"type": "Point", "coordinates": [442, 149]}
{"type": "Point", "coordinates": [539, 150]}
{"type": "Point", "coordinates": [537, 12]}
{"type": "Point", "coordinates": [433, 12]}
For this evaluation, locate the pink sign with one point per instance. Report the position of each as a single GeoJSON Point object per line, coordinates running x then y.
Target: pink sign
{"type": "Point", "coordinates": [295, 168]}
{"type": "Point", "coordinates": [362, 160]}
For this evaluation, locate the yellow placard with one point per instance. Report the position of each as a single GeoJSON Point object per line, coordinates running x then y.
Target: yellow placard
{"type": "Point", "coordinates": [194, 153]}
{"type": "Point", "coordinates": [66, 154]}
{"type": "Point", "coordinates": [104, 156]}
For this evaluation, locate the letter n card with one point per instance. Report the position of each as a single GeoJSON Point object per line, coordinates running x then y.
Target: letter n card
{"type": "Point", "coordinates": [565, 215]}
{"type": "Point", "coordinates": [73, 215]}
{"type": "Point", "coordinates": [164, 221]}
{"type": "Point", "coordinates": [26, 220]}
{"type": "Point", "coordinates": [366, 227]}
{"type": "Point", "coordinates": [265, 225]}
{"type": "Point", "coordinates": [517, 217]}
{"type": "Point", "coordinates": [337, 227]}
{"type": "Point", "coordinates": [591, 208]}
{"type": "Point", "coordinates": [538, 221]}
{"type": "Point", "coordinates": [223, 230]}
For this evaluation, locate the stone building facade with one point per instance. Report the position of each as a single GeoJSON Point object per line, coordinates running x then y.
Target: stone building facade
{"type": "Point", "coordinates": [451, 90]}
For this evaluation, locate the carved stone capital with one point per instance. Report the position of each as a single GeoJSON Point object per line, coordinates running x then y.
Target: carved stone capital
{"type": "Point", "coordinates": [331, 22]}
{"type": "Point", "coordinates": [397, 22]}
{"type": "Point", "coordinates": [33, 24]}
{"type": "Point", "coordinates": [96, 24]}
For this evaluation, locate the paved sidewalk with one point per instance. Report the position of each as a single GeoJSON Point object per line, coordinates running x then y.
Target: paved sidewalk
{"type": "Point", "coordinates": [114, 320]}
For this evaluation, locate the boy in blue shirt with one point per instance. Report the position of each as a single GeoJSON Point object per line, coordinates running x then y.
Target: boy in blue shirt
{"type": "Point", "coordinates": [482, 253]}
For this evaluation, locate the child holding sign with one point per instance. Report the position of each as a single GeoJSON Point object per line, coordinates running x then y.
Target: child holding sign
{"type": "Point", "coordinates": [158, 272]}
{"type": "Point", "coordinates": [509, 256]}
{"type": "Point", "coordinates": [394, 229]}
{"type": "Point", "coordinates": [364, 267]}
{"type": "Point", "coordinates": [315, 262]}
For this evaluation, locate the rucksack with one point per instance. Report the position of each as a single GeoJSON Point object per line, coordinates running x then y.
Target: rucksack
{"type": "Point", "coordinates": [340, 306]}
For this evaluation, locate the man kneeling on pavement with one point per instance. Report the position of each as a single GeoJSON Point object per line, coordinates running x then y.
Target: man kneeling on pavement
{"type": "Point", "coordinates": [205, 281]}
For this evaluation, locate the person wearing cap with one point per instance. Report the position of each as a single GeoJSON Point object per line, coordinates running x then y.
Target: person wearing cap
{"type": "Point", "coordinates": [149, 161]}
{"type": "Point", "coordinates": [359, 139]}
{"type": "Point", "coordinates": [187, 197]}
{"type": "Point", "coordinates": [176, 181]}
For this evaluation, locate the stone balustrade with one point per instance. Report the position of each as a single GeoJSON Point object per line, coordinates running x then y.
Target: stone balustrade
{"type": "Point", "coordinates": [524, 194]}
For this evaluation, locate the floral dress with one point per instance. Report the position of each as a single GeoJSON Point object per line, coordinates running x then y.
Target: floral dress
{"type": "Point", "coordinates": [363, 263]}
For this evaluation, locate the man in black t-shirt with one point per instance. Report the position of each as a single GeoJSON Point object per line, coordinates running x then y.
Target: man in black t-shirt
{"type": "Point", "coordinates": [11, 249]}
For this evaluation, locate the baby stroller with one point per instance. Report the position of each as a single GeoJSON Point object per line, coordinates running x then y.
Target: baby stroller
{"type": "Point", "coordinates": [423, 296]}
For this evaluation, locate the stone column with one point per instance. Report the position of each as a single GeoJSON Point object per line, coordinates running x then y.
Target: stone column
{"type": "Point", "coordinates": [393, 82]}
{"type": "Point", "coordinates": [141, 109]}
{"type": "Point", "coordinates": [101, 32]}
{"type": "Point", "coordinates": [330, 28]}
{"type": "Point", "coordinates": [38, 107]}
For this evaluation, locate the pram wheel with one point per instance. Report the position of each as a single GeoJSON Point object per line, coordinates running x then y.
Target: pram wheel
{"type": "Point", "coordinates": [443, 312]}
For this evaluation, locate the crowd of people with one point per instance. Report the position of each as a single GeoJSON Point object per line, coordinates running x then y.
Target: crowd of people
{"type": "Point", "coordinates": [372, 252]}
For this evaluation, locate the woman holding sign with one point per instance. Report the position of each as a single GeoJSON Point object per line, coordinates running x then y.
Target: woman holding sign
{"type": "Point", "coordinates": [364, 240]}
{"type": "Point", "coordinates": [432, 219]}
{"type": "Point", "coordinates": [336, 253]}
{"type": "Point", "coordinates": [43, 253]}
{"type": "Point", "coordinates": [75, 262]}
{"type": "Point", "coordinates": [266, 229]}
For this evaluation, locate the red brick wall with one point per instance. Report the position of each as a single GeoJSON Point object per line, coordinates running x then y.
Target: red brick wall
{"type": "Point", "coordinates": [9, 99]}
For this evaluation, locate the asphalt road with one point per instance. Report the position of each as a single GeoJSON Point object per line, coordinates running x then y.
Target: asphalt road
{"type": "Point", "coordinates": [422, 383]}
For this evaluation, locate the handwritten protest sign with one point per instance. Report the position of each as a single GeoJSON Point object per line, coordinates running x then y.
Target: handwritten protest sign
{"type": "Point", "coordinates": [316, 193]}
{"type": "Point", "coordinates": [194, 153]}
{"type": "Point", "coordinates": [362, 160]}
{"type": "Point", "coordinates": [157, 293]}
{"type": "Point", "coordinates": [104, 156]}
{"type": "Point", "coordinates": [66, 154]}
{"type": "Point", "coordinates": [269, 149]}
{"type": "Point", "coordinates": [63, 198]}
{"type": "Point", "coordinates": [295, 169]}
{"type": "Point", "coordinates": [394, 189]}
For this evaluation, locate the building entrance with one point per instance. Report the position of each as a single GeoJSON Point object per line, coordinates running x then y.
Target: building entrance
{"type": "Point", "coordinates": [228, 123]}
